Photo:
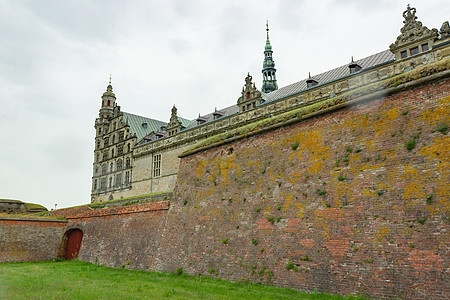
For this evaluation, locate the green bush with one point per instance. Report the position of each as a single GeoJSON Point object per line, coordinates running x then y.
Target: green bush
{"type": "Point", "coordinates": [409, 145]}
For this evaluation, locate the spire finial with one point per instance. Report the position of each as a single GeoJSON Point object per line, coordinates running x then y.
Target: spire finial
{"type": "Point", "coordinates": [352, 58]}
{"type": "Point", "coordinates": [109, 79]}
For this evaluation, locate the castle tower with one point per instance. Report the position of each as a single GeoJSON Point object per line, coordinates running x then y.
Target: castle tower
{"type": "Point", "coordinates": [108, 102]}
{"type": "Point", "coordinates": [269, 77]}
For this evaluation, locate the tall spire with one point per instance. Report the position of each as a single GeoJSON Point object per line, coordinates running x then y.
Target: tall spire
{"type": "Point", "coordinates": [269, 77]}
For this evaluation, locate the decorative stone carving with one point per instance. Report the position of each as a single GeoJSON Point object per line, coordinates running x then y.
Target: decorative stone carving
{"type": "Point", "coordinates": [250, 96]}
{"type": "Point", "coordinates": [413, 31]}
{"type": "Point", "coordinates": [445, 30]}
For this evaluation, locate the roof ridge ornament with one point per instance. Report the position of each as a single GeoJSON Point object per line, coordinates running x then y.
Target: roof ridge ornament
{"type": "Point", "coordinates": [412, 31]}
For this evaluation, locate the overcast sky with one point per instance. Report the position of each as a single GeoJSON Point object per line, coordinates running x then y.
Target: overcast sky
{"type": "Point", "coordinates": [56, 57]}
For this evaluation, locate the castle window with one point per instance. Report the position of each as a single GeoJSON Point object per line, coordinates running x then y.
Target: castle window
{"type": "Point", "coordinates": [104, 169]}
{"type": "Point", "coordinates": [95, 184]}
{"type": "Point", "coordinates": [112, 152]}
{"type": "Point", "coordinates": [103, 183]}
{"type": "Point", "coordinates": [109, 104]}
{"type": "Point", "coordinates": [249, 106]}
{"type": "Point", "coordinates": [99, 131]}
{"type": "Point", "coordinates": [128, 163]}
{"type": "Point", "coordinates": [114, 126]}
{"type": "Point", "coordinates": [119, 165]}
{"type": "Point", "coordinates": [97, 157]}
{"type": "Point", "coordinates": [110, 181]}
{"type": "Point", "coordinates": [112, 167]}
{"type": "Point", "coordinates": [424, 47]}
{"type": "Point", "coordinates": [414, 50]}
{"type": "Point", "coordinates": [98, 144]}
{"type": "Point", "coordinates": [248, 95]}
{"type": "Point", "coordinates": [127, 177]}
{"type": "Point", "coordinates": [96, 170]}
{"type": "Point", "coordinates": [157, 165]}
{"type": "Point", "coordinates": [243, 108]}
{"type": "Point", "coordinates": [121, 134]}
{"type": "Point", "coordinates": [118, 180]}
{"type": "Point", "coordinates": [404, 54]}
{"type": "Point", "coordinates": [119, 150]}
{"type": "Point", "coordinates": [129, 147]}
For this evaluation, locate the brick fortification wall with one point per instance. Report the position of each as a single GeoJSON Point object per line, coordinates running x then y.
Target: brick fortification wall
{"type": "Point", "coordinates": [335, 203]}
{"type": "Point", "coordinates": [350, 209]}
{"type": "Point", "coordinates": [30, 239]}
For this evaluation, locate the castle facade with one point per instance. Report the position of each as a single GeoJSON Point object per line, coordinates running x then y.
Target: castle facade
{"type": "Point", "coordinates": [136, 155]}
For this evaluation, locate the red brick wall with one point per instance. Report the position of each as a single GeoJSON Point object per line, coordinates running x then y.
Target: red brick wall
{"type": "Point", "coordinates": [30, 239]}
{"type": "Point", "coordinates": [351, 202]}
{"type": "Point", "coordinates": [346, 211]}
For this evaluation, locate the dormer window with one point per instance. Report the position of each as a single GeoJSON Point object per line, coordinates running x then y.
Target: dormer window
{"type": "Point", "coordinates": [354, 68]}
{"type": "Point", "coordinates": [144, 125]}
{"type": "Point", "coordinates": [311, 82]}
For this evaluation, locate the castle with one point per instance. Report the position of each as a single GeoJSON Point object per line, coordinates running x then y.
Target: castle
{"type": "Point", "coordinates": [336, 183]}
{"type": "Point", "coordinates": [138, 155]}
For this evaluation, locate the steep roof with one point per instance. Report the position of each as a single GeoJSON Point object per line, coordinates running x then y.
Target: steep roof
{"type": "Point", "coordinates": [137, 124]}
{"type": "Point", "coordinates": [328, 76]}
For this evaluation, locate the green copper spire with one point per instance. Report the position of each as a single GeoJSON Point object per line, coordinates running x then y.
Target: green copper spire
{"type": "Point", "coordinates": [269, 77]}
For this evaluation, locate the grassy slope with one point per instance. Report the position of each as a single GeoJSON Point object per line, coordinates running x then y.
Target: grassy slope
{"type": "Point", "coordinates": [80, 280]}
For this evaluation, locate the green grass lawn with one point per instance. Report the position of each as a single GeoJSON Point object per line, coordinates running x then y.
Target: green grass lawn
{"type": "Point", "coordinates": [80, 280]}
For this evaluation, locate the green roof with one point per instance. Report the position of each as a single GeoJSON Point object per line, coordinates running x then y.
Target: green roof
{"type": "Point", "coordinates": [184, 122]}
{"type": "Point", "coordinates": [138, 127]}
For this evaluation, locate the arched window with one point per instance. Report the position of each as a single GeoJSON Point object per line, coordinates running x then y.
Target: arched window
{"type": "Point", "coordinates": [112, 165]}
{"type": "Point", "coordinates": [110, 181]}
{"type": "Point", "coordinates": [128, 163]}
{"type": "Point", "coordinates": [112, 152]}
{"type": "Point", "coordinates": [129, 147]}
{"type": "Point", "coordinates": [109, 103]}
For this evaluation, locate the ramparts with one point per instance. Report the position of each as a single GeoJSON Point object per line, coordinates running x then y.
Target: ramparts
{"type": "Point", "coordinates": [354, 199]}
{"type": "Point", "coordinates": [30, 239]}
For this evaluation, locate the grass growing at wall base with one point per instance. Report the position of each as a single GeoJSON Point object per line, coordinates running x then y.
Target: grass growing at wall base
{"type": "Point", "coordinates": [80, 280]}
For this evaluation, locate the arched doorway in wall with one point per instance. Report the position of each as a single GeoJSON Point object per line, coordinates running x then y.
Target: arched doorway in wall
{"type": "Point", "coordinates": [74, 238]}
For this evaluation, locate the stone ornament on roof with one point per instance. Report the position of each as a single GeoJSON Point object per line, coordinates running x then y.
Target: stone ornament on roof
{"type": "Point", "coordinates": [445, 30]}
{"type": "Point", "coordinates": [249, 91]}
{"type": "Point", "coordinates": [412, 31]}
{"type": "Point", "coordinates": [174, 122]}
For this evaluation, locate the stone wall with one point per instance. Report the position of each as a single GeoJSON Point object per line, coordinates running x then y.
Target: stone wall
{"type": "Point", "coordinates": [25, 239]}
